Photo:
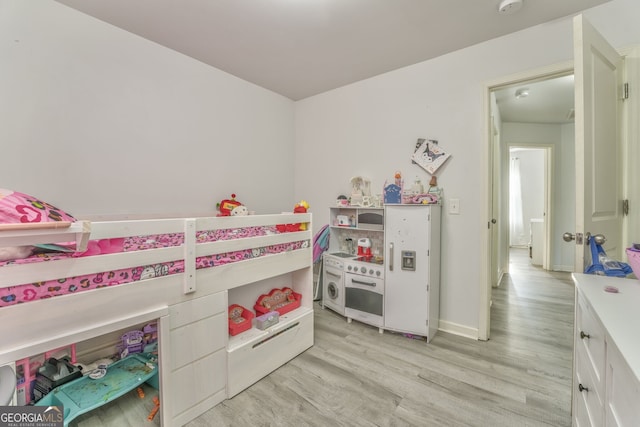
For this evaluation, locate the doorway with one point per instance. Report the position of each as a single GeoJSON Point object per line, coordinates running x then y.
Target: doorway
{"type": "Point", "coordinates": [527, 111]}
{"type": "Point", "coordinates": [530, 207]}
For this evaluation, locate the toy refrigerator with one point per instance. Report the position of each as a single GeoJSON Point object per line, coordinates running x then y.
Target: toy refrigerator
{"type": "Point", "coordinates": [412, 269]}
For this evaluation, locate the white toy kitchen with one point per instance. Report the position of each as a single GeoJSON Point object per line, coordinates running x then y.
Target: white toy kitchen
{"type": "Point", "coordinates": [382, 267]}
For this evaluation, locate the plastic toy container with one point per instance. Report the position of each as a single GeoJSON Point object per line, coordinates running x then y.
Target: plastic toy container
{"type": "Point", "coordinates": [634, 261]}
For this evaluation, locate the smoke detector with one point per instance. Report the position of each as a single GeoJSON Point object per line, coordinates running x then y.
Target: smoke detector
{"type": "Point", "coordinates": [507, 7]}
{"type": "Point", "coordinates": [522, 93]}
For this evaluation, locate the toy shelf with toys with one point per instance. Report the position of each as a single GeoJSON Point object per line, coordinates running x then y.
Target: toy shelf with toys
{"type": "Point", "coordinates": [182, 273]}
{"type": "Point", "coordinates": [92, 373]}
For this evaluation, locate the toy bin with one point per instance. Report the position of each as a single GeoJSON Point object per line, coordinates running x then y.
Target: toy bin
{"type": "Point", "coordinates": [239, 319]}
{"type": "Point", "coordinates": [633, 255]}
{"type": "Point", "coordinates": [281, 300]}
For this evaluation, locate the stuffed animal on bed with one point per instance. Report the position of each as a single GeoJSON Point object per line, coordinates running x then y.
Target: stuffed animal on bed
{"type": "Point", "coordinates": [240, 211]}
{"type": "Point", "coordinates": [15, 252]}
{"type": "Point", "coordinates": [302, 207]}
{"type": "Point", "coordinates": [226, 207]}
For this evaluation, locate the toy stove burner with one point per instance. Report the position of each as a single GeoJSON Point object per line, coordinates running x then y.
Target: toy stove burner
{"type": "Point", "coordinates": [365, 266]}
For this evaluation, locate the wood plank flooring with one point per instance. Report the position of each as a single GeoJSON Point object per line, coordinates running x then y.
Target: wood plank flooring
{"type": "Point", "coordinates": [353, 376]}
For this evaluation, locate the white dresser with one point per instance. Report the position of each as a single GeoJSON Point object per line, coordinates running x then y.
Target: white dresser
{"type": "Point", "coordinates": [606, 374]}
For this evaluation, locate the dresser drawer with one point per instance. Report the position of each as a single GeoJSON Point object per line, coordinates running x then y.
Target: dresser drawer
{"type": "Point", "coordinates": [590, 342]}
{"type": "Point", "coordinates": [623, 391]}
{"type": "Point", "coordinates": [588, 404]}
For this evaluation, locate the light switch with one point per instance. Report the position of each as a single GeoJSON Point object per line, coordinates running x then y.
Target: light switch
{"type": "Point", "coordinates": [454, 206]}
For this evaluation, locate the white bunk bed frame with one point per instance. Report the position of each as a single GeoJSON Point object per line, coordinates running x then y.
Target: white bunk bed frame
{"type": "Point", "coordinates": [200, 364]}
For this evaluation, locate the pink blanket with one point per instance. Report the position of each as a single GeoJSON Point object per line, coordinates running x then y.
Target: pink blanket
{"type": "Point", "coordinates": [33, 291]}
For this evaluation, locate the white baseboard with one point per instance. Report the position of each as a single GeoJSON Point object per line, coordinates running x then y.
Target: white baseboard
{"type": "Point", "coordinates": [565, 268]}
{"type": "Point", "coordinates": [461, 330]}
{"type": "Point", "coordinates": [501, 275]}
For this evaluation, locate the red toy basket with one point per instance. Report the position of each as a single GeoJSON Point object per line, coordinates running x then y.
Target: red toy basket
{"type": "Point", "coordinates": [281, 300]}
{"type": "Point", "coordinates": [239, 319]}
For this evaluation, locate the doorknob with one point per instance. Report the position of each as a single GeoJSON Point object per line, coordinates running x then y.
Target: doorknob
{"type": "Point", "coordinates": [493, 221]}
{"type": "Point", "coordinates": [567, 237]}
{"type": "Point", "coordinates": [599, 238]}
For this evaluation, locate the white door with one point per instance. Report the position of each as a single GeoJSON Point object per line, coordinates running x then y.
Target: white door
{"type": "Point", "coordinates": [598, 146]}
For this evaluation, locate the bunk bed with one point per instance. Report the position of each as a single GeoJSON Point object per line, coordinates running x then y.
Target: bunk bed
{"type": "Point", "coordinates": [184, 274]}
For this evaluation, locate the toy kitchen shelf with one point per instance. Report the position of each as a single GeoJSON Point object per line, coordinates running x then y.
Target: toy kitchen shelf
{"type": "Point", "coordinates": [355, 217]}
{"type": "Point", "coordinates": [350, 223]}
{"type": "Point", "coordinates": [85, 394]}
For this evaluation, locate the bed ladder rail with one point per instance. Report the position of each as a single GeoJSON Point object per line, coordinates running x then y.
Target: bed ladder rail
{"type": "Point", "coordinates": [189, 283]}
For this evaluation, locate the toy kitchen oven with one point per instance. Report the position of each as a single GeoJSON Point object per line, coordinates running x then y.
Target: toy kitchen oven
{"type": "Point", "coordinates": [353, 286]}
{"type": "Point", "coordinates": [364, 290]}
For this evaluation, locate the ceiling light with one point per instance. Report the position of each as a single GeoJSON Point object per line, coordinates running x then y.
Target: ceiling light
{"type": "Point", "coordinates": [522, 92]}
{"type": "Point", "coordinates": [507, 7]}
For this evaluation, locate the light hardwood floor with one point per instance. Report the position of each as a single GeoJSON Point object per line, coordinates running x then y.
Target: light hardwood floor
{"type": "Point", "coordinates": [353, 376]}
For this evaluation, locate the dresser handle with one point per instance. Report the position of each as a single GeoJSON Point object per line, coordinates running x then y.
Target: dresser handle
{"type": "Point", "coordinates": [583, 388]}
{"type": "Point", "coordinates": [583, 335]}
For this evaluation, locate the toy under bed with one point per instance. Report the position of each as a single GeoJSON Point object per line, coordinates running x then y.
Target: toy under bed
{"type": "Point", "coordinates": [26, 292]}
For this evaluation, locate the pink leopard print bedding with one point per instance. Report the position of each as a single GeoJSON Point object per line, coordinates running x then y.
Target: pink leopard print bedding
{"type": "Point", "coordinates": [41, 290]}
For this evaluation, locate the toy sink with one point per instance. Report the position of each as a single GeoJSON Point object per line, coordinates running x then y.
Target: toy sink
{"type": "Point", "coordinates": [85, 394]}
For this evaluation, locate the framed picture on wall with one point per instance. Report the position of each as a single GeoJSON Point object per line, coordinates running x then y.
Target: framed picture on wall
{"type": "Point", "coordinates": [429, 155]}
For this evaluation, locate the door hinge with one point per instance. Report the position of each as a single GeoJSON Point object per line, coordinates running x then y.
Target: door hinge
{"type": "Point", "coordinates": [625, 207]}
{"type": "Point", "coordinates": [625, 91]}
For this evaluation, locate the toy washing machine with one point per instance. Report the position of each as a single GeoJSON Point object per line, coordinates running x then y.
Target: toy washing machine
{"type": "Point", "coordinates": [333, 284]}
{"type": "Point", "coordinates": [8, 384]}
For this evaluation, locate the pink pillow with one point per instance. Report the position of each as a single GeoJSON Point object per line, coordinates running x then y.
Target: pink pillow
{"type": "Point", "coordinates": [18, 207]}
{"type": "Point", "coordinates": [102, 246]}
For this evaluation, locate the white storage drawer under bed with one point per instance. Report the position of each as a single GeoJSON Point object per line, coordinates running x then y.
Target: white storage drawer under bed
{"type": "Point", "coordinates": [251, 359]}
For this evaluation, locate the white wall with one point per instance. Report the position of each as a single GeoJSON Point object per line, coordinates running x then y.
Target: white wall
{"type": "Point", "coordinates": [175, 135]}
{"type": "Point", "coordinates": [99, 121]}
{"type": "Point", "coordinates": [369, 128]}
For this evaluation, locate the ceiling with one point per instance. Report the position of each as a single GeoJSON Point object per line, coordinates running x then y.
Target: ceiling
{"type": "Point", "coordinates": [548, 101]}
{"type": "Point", "coordinates": [299, 48]}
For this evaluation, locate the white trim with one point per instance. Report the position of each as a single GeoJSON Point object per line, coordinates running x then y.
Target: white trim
{"type": "Point", "coordinates": [456, 329]}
